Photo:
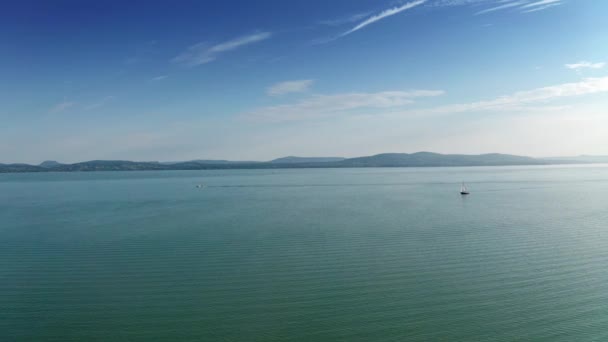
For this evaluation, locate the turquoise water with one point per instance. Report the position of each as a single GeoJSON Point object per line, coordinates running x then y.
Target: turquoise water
{"type": "Point", "coordinates": [306, 255]}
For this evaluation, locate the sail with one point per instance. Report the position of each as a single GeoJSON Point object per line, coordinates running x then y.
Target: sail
{"type": "Point", "coordinates": [463, 188]}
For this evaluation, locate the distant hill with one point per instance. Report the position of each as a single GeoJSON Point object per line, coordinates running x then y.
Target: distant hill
{"type": "Point", "coordinates": [292, 159]}
{"type": "Point", "coordinates": [580, 159]}
{"type": "Point", "coordinates": [49, 164]}
{"type": "Point", "coordinates": [10, 168]}
{"type": "Point", "coordinates": [419, 159]}
{"type": "Point", "coordinates": [436, 159]}
{"type": "Point", "coordinates": [110, 165]}
{"type": "Point", "coordinates": [210, 161]}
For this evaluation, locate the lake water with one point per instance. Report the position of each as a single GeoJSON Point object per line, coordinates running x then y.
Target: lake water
{"type": "Point", "coordinates": [382, 254]}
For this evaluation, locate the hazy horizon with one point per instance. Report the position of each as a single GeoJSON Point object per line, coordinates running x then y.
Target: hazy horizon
{"type": "Point", "coordinates": [291, 155]}
{"type": "Point", "coordinates": [262, 80]}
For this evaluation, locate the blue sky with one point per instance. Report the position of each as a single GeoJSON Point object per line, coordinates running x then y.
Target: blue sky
{"type": "Point", "coordinates": [255, 80]}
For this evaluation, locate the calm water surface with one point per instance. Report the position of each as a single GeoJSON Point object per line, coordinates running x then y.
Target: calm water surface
{"type": "Point", "coordinates": [306, 255]}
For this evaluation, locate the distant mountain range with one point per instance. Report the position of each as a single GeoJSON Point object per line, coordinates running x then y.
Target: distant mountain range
{"type": "Point", "coordinates": [436, 159]}
{"type": "Point", "coordinates": [293, 160]}
{"type": "Point", "coordinates": [419, 159]}
{"type": "Point", "coordinates": [582, 159]}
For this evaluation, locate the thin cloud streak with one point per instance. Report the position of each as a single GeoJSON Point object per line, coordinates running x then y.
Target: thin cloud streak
{"type": "Point", "coordinates": [585, 65]}
{"type": "Point", "coordinates": [62, 106]}
{"type": "Point", "coordinates": [521, 99]}
{"type": "Point", "coordinates": [384, 14]}
{"type": "Point", "coordinates": [238, 42]}
{"type": "Point", "coordinates": [159, 78]}
{"type": "Point", "coordinates": [453, 3]}
{"type": "Point", "coordinates": [344, 20]}
{"type": "Point", "coordinates": [526, 6]}
{"type": "Point", "coordinates": [201, 53]}
{"type": "Point", "coordinates": [331, 105]}
{"type": "Point", "coordinates": [99, 104]}
{"type": "Point", "coordinates": [287, 87]}
{"type": "Point", "coordinates": [501, 7]}
{"type": "Point", "coordinates": [540, 3]}
{"type": "Point", "coordinates": [541, 8]}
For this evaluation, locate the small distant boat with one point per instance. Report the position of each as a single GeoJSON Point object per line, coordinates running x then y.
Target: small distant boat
{"type": "Point", "coordinates": [200, 186]}
{"type": "Point", "coordinates": [464, 190]}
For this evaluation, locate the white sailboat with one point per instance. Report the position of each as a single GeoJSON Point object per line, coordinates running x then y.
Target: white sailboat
{"type": "Point", "coordinates": [463, 189]}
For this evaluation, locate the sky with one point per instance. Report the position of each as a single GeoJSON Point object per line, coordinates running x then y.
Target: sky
{"type": "Point", "coordinates": [257, 80]}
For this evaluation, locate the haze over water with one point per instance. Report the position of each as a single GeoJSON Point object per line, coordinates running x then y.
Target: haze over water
{"type": "Point", "coordinates": [306, 255]}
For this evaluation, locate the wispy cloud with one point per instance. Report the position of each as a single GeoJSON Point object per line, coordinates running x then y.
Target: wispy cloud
{"type": "Point", "coordinates": [525, 6]}
{"type": "Point", "coordinates": [540, 3]}
{"type": "Point", "coordinates": [392, 102]}
{"type": "Point", "coordinates": [451, 3]}
{"type": "Point", "coordinates": [202, 53]}
{"type": "Point", "coordinates": [541, 8]}
{"type": "Point", "coordinates": [520, 100]}
{"type": "Point", "coordinates": [159, 78]}
{"type": "Point", "coordinates": [345, 20]}
{"type": "Point", "coordinates": [99, 104]}
{"type": "Point", "coordinates": [585, 65]}
{"type": "Point", "coordinates": [386, 13]}
{"type": "Point", "coordinates": [287, 87]}
{"type": "Point", "coordinates": [62, 106]}
{"type": "Point", "coordinates": [328, 105]}
{"type": "Point", "coordinates": [501, 7]}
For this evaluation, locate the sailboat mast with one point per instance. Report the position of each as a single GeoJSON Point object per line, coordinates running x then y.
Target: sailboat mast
{"type": "Point", "coordinates": [463, 189]}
